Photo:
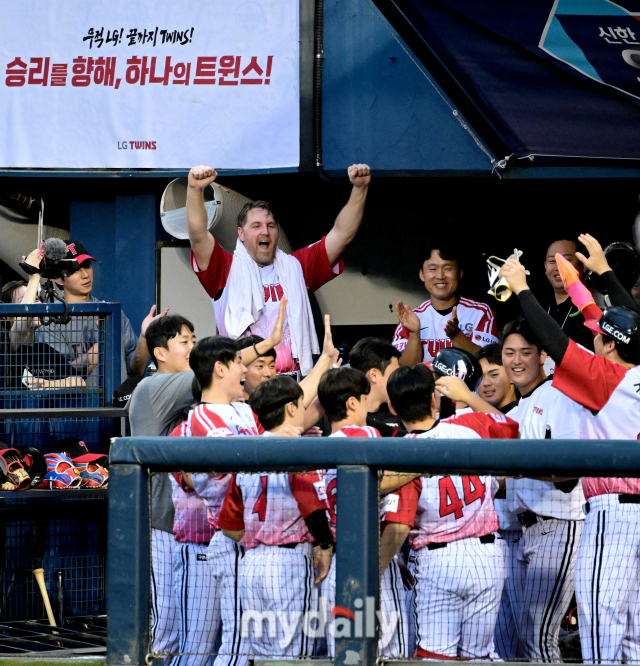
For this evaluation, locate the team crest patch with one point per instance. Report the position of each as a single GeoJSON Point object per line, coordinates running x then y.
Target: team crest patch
{"type": "Point", "coordinates": [202, 557]}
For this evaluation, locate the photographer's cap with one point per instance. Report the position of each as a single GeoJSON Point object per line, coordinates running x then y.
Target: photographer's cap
{"type": "Point", "coordinates": [76, 251]}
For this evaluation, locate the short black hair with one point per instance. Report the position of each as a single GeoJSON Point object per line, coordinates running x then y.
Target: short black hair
{"type": "Point", "coordinates": [410, 390]}
{"type": "Point", "coordinates": [521, 327]}
{"type": "Point", "coordinates": [492, 352]}
{"type": "Point", "coordinates": [270, 398]}
{"type": "Point", "coordinates": [250, 340]}
{"type": "Point", "coordinates": [337, 386]}
{"type": "Point", "coordinates": [204, 355]}
{"type": "Point", "coordinates": [163, 329]}
{"type": "Point", "coordinates": [369, 353]}
{"type": "Point", "coordinates": [447, 249]}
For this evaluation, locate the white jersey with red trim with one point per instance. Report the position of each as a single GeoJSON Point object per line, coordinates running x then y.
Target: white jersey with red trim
{"type": "Point", "coordinates": [546, 413]}
{"type": "Point", "coordinates": [476, 320]}
{"type": "Point", "coordinates": [211, 420]}
{"type": "Point", "coordinates": [271, 507]}
{"type": "Point", "coordinates": [610, 394]}
{"type": "Point", "coordinates": [448, 508]}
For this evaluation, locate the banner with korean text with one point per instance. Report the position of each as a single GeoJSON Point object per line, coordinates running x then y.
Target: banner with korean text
{"type": "Point", "coordinates": [153, 85]}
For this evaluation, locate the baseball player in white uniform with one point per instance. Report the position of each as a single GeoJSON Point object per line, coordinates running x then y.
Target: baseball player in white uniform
{"type": "Point", "coordinates": [606, 385]}
{"type": "Point", "coordinates": [348, 417]}
{"type": "Point", "coordinates": [446, 319]}
{"type": "Point", "coordinates": [459, 566]}
{"type": "Point", "coordinates": [550, 512]}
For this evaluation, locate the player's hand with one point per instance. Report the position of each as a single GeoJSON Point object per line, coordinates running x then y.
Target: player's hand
{"type": "Point", "coordinates": [287, 431]}
{"type": "Point", "coordinates": [322, 562]}
{"type": "Point", "coordinates": [407, 317]}
{"type": "Point", "coordinates": [359, 175]}
{"type": "Point", "coordinates": [313, 432]}
{"type": "Point", "coordinates": [452, 327]}
{"type": "Point", "coordinates": [201, 176]}
{"type": "Point", "coordinates": [596, 261]}
{"type": "Point", "coordinates": [514, 273]}
{"type": "Point", "coordinates": [278, 330]}
{"type": "Point", "coordinates": [407, 577]}
{"type": "Point", "coordinates": [336, 361]}
{"type": "Point", "coordinates": [328, 348]}
{"type": "Point", "coordinates": [453, 388]}
{"type": "Point", "coordinates": [152, 316]}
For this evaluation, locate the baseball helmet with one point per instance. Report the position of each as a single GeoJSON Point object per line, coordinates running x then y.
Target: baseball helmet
{"type": "Point", "coordinates": [622, 325]}
{"type": "Point", "coordinates": [455, 362]}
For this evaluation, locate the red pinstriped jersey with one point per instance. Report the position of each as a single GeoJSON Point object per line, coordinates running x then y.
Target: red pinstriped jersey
{"type": "Point", "coordinates": [329, 476]}
{"type": "Point", "coordinates": [610, 396]}
{"type": "Point", "coordinates": [442, 509]}
{"type": "Point", "coordinates": [209, 420]}
{"type": "Point", "coordinates": [476, 320]}
{"type": "Point", "coordinates": [271, 508]}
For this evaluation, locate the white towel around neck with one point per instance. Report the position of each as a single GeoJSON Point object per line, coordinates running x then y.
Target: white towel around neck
{"type": "Point", "coordinates": [245, 302]}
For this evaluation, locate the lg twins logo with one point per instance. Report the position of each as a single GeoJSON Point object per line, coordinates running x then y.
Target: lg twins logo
{"type": "Point", "coordinates": [615, 333]}
{"type": "Point", "coordinates": [460, 371]}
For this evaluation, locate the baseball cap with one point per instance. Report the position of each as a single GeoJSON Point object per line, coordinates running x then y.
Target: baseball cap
{"type": "Point", "coordinates": [77, 450]}
{"type": "Point", "coordinates": [76, 251]}
{"type": "Point", "coordinates": [623, 326]}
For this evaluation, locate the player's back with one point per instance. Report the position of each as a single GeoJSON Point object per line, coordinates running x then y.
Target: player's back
{"type": "Point", "coordinates": [271, 506]}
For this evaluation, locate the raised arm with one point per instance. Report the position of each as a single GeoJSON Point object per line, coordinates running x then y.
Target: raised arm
{"type": "Point", "coordinates": [348, 221]}
{"type": "Point", "coordinates": [328, 357]}
{"type": "Point", "coordinates": [202, 242]}
{"type": "Point", "coordinates": [249, 354]}
{"type": "Point", "coordinates": [23, 327]}
{"type": "Point", "coordinates": [140, 357]}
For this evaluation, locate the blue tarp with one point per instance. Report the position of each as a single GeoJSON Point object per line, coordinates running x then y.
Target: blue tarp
{"type": "Point", "coordinates": [555, 78]}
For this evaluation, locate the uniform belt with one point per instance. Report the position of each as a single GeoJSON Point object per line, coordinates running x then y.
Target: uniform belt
{"type": "Point", "coordinates": [622, 499]}
{"type": "Point", "coordinates": [287, 545]}
{"type": "Point", "coordinates": [529, 518]}
{"type": "Point", "coordinates": [487, 538]}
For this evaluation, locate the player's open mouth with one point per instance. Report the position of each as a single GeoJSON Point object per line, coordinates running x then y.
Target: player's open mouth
{"type": "Point", "coordinates": [242, 381]}
{"type": "Point", "coordinates": [264, 244]}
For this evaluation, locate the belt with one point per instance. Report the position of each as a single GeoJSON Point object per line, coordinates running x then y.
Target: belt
{"type": "Point", "coordinates": [487, 538]}
{"type": "Point", "coordinates": [529, 518]}
{"type": "Point", "coordinates": [287, 545]}
{"type": "Point", "coordinates": [622, 499]}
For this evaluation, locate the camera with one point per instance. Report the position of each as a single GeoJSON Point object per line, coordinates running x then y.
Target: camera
{"type": "Point", "coordinates": [54, 263]}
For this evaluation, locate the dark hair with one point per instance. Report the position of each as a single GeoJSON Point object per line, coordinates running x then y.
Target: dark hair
{"type": "Point", "coordinates": [337, 386]}
{"type": "Point", "coordinates": [492, 352]}
{"type": "Point", "coordinates": [251, 205]}
{"type": "Point", "coordinates": [163, 329]}
{"type": "Point", "coordinates": [410, 390]}
{"type": "Point", "coordinates": [9, 289]}
{"type": "Point", "coordinates": [448, 250]}
{"type": "Point", "coordinates": [204, 355]}
{"type": "Point", "coordinates": [270, 398]}
{"type": "Point", "coordinates": [250, 340]}
{"type": "Point", "coordinates": [521, 327]}
{"type": "Point", "coordinates": [370, 353]}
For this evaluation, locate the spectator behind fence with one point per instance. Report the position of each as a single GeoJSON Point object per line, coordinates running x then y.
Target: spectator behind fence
{"type": "Point", "coordinates": [247, 285]}
{"type": "Point", "coordinates": [28, 363]}
{"type": "Point", "coordinates": [559, 306]}
{"type": "Point", "coordinates": [446, 319]}
{"type": "Point", "coordinates": [79, 339]}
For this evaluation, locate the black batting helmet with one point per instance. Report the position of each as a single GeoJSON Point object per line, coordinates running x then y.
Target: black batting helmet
{"type": "Point", "coordinates": [622, 325]}
{"type": "Point", "coordinates": [454, 362]}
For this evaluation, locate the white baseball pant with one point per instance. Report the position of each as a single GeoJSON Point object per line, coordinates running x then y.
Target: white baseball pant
{"type": "Point", "coordinates": [278, 594]}
{"type": "Point", "coordinates": [506, 638]}
{"type": "Point", "coordinates": [457, 596]}
{"type": "Point", "coordinates": [224, 556]}
{"type": "Point", "coordinates": [543, 581]}
{"type": "Point", "coordinates": [608, 582]}
{"type": "Point", "coordinates": [198, 609]}
{"type": "Point", "coordinates": [394, 638]}
{"type": "Point", "coordinates": [164, 620]}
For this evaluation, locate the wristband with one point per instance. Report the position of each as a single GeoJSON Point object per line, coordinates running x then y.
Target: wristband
{"type": "Point", "coordinates": [255, 349]}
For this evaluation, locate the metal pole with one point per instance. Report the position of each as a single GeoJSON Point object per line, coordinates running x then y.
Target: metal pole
{"type": "Point", "coordinates": [357, 567]}
{"type": "Point", "coordinates": [128, 565]}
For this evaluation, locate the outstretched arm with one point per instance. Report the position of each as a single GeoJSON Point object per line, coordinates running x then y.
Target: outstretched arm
{"type": "Point", "coordinates": [249, 355]}
{"type": "Point", "coordinates": [202, 242]}
{"type": "Point", "coordinates": [348, 221]}
{"type": "Point", "coordinates": [328, 357]}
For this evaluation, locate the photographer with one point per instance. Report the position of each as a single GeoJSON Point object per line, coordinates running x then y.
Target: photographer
{"type": "Point", "coordinates": [78, 339]}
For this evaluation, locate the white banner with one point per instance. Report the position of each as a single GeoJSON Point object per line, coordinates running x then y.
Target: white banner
{"type": "Point", "coordinates": [142, 84]}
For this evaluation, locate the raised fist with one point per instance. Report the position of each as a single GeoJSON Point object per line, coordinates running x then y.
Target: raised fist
{"type": "Point", "coordinates": [359, 175]}
{"type": "Point", "coordinates": [201, 176]}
